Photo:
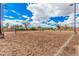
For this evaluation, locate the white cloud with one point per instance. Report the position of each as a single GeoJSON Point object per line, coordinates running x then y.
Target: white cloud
{"type": "Point", "coordinates": [24, 16]}
{"type": "Point", "coordinates": [37, 24]}
{"type": "Point", "coordinates": [12, 22]}
{"type": "Point", "coordinates": [77, 7]}
{"type": "Point", "coordinates": [51, 22]}
{"type": "Point", "coordinates": [27, 18]}
{"type": "Point", "coordinates": [10, 16]}
{"type": "Point", "coordinates": [6, 16]}
{"type": "Point", "coordinates": [42, 12]}
{"type": "Point", "coordinates": [45, 25]}
{"type": "Point", "coordinates": [20, 15]}
{"type": "Point", "coordinates": [46, 10]}
{"type": "Point", "coordinates": [70, 21]}
{"type": "Point", "coordinates": [15, 12]}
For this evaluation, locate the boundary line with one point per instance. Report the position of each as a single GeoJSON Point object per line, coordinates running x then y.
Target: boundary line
{"type": "Point", "coordinates": [64, 45]}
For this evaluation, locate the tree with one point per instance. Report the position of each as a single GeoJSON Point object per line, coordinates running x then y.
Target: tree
{"type": "Point", "coordinates": [58, 27]}
{"type": "Point", "coordinates": [66, 27]}
{"type": "Point", "coordinates": [7, 24]}
{"type": "Point", "coordinates": [26, 23]}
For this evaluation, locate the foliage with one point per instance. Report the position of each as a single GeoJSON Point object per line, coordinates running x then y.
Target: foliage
{"type": "Point", "coordinates": [20, 28]}
{"type": "Point", "coordinates": [33, 28]}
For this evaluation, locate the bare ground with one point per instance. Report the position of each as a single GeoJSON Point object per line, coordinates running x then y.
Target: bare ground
{"type": "Point", "coordinates": [72, 49]}
{"type": "Point", "coordinates": [36, 43]}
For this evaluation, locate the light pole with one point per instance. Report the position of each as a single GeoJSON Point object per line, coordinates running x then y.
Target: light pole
{"type": "Point", "coordinates": [75, 32]}
{"type": "Point", "coordinates": [1, 18]}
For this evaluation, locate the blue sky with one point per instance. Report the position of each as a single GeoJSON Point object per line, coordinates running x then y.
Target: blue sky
{"type": "Point", "coordinates": [20, 8]}
{"type": "Point", "coordinates": [59, 18]}
{"type": "Point", "coordinates": [20, 11]}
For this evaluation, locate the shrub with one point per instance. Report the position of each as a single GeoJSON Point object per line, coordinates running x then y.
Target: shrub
{"type": "Point", "coordinates": [20, 28]}
{"type": "Point", "coordinates": [33, 28]}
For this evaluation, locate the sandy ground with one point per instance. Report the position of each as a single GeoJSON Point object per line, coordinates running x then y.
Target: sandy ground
{"type": "Point", "coordinates": [37, 43]}
{"type": "Point", "coordinates": [72, 49]}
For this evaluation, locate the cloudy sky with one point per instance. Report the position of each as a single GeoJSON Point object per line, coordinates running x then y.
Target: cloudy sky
{"type": "Point", "coordinates": [40, 14]}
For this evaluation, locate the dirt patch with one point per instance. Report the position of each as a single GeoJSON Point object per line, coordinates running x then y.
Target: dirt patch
{"type": "Point", "coordinates": [76, 49]}
{"type": "Point", "coordinates": [72, 48]}
{"type": "Point", "coordinates": [32, 43]}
